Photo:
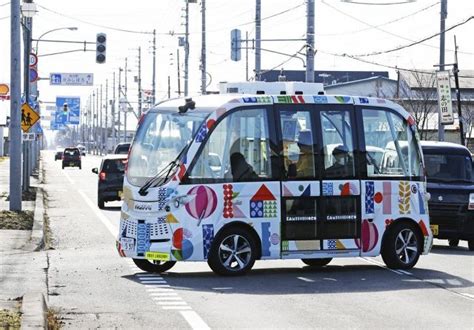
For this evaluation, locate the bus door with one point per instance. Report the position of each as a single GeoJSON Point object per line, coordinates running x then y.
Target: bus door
{"type": "Point", "coordinates": [340, 208]}
{"type": "Point", "coordinates": [301, 198]}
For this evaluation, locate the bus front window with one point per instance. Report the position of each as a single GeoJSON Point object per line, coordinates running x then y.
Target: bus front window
{"type": "Point", "coordinates": [159, 140]}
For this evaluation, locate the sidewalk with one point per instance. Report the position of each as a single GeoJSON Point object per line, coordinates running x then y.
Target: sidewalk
{"type": "Point", "coordinates": [23, 272]}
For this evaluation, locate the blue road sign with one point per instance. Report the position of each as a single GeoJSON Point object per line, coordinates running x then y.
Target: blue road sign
{"type": "Point", "coordinates": [55, 127]}
{"type": "Point", "coordinates": [73, 114]}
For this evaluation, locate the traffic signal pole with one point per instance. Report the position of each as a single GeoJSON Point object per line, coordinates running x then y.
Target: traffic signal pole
{"type": "Point", "coordinates": [15, 93]}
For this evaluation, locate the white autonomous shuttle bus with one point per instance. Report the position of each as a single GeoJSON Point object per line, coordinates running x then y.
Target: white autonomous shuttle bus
{"type": "Point", "coordinates": [234, 178]}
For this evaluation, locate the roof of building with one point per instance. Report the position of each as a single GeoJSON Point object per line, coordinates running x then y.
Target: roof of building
{"type": "Point", "coordinates": [353, 82]}
{"type": "Point", "coordinates": [427, 78]}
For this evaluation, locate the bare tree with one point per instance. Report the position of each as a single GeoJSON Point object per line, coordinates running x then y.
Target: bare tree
{"type": "Point", "coordinates": [417, 94]}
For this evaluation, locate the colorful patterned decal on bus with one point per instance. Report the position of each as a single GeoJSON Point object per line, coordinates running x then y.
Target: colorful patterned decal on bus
{"type": "Point", "coordinates": [207, 238]}
{"type": "Point", "coordinates": [263, 204]}
{"type": "Point", "coordinates": [203, 204]}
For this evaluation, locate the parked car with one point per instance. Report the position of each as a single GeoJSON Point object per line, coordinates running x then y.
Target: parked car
{"type": "Point", "coordinates": [110, 184]}
{"type": "Point", "coordinates": [450, 179]}
{"type": "Point", "coordinates": [122, 148]}
{"type": "Point", "coordinates": [58, 154]}
{"type": "Point", "coordinates": [72, 158]}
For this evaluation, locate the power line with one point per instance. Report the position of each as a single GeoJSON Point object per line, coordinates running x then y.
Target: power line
{"type": "Point", "coordinates": [377, 26]}
{"type": "Point", "coordinates": [98, 25]}
{"type": "Point", "coordinates": [415, 42]}
{"type": "Point", "coordinates": [5, 4]}
{"type": "Point", "coordinates": [382, 30]}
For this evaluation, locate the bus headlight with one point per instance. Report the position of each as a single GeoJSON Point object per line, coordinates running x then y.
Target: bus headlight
{"type": "Point", "coordinates": [471, 202]}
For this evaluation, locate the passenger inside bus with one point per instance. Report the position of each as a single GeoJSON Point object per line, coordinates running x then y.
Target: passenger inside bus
{"type": "Point", "coordinates": [241, 170]}
{"type": "Point", "coordinates": [343, 164]}
{"type": "Point", "coordinates": [305, 163]}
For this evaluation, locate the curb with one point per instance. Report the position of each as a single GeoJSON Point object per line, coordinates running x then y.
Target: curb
{"type": "Point", "coordinates": [34, 311]}
{"type": "Point", "coordinates": [33, 307]}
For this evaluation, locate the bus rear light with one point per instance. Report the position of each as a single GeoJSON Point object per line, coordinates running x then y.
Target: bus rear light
{"type": "Point", "coordinates": [102, 176]}
{"type": "Point", "coordinates": [471, 202]}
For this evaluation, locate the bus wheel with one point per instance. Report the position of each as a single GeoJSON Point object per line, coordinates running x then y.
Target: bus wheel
{"type": "Point", "coordinates": [453, 242]}
{"type": "Point", "coordinates": [154, 266]}
{"type": "Point", "coordinates": [401, 246]}
{"type": "Point", "coordinates": [233, 252]}
{"type": "Point", "coordinates": [317, 262]}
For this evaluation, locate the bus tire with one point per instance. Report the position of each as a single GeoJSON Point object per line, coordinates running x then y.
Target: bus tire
{"type": "Point", "coordinates": [233, 252]}
{"type": "Point", "coordinates": [153, 266]}
{"type": "Point", "coordinates": [453, 242]}
{"type": "Point", "coordinates": [317, 262]}
{"type": "Point", "coordinates": [401, 246]}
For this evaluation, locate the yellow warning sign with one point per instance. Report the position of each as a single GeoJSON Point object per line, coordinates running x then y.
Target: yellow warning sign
{"type": "Point", "coordinates": [28, 117]}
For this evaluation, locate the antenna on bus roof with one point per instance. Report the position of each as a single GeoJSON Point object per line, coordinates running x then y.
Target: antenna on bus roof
{"type": "Point", "coordinates": [190, 104]}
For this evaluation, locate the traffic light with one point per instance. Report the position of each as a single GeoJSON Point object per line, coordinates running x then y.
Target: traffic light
{"type": "Point", "coordinates": [65, 108]}
{"type": "Point", "coordinates": [101, 41]}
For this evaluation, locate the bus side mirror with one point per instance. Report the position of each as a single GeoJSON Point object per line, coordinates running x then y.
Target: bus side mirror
{"type": "Point", "coordinates": [95, 170]}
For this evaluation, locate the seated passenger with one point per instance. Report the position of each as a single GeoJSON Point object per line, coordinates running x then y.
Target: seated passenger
{"type": "Point", "coordinates": [241, 170]}
{"type": "Point", "coordinates": [343, 165]}
{"type": "Point", "coordinates": [305, 164]}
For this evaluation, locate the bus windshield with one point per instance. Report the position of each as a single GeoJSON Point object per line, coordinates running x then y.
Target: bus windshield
{"type": "Point", "coordinates": [160, 138]}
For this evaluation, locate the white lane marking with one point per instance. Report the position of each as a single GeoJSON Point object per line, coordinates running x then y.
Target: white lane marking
{"type": "Point", "coordinates": [68, 177]}
{"type": "Point", "coordinates": [142, 278]}
{"type": "Point", "coordinates": [154, 282]}
{"type": "Point", "coordinates": [373, 262]}
{"type": "Point", "coordinates": [99, 214]}
{"type": "Point", "coordinates": [176, 307]}
{"type": "Point", "coordinates": [194, 320]}
{"type": "Point", "coordinates": [167, 298]}
{"type": "Point", "coordinates": [170, 303]}
{"type": "Point", "coordinates": [162, 294]}
{"type": "Point", "coordinates": [305, 279]}
{"type": "Point", "coordinates": [467, 295]}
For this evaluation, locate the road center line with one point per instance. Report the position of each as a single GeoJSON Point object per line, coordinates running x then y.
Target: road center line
{"type": "Point", "coordinates": [305, 279]}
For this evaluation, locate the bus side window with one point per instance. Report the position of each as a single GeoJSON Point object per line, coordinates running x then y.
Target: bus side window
{"type": "Point", "coordinates": [238, 149]}
{"type": "Point", "coordinates": [391, 149]}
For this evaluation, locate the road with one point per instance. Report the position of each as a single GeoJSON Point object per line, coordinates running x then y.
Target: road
{"type": "Point", "coordinates": [90, 286]}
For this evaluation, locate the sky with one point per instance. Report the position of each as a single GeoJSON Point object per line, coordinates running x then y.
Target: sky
{"type": "Point", "coordinates": [341, 28]}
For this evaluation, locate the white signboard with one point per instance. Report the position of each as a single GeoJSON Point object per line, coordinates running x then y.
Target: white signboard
{"type": "Point", "coordinates": [71, 79]}
{"type": "Point", "coordinates": [444, 98]}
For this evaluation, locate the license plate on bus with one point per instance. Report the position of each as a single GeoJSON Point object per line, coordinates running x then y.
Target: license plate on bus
{"type": "Point", "coordinates": [434, 229]}
{"type": "Point", "coordinates": [160, 256]}
{"type": "Point", "coordinates": [128, 244]}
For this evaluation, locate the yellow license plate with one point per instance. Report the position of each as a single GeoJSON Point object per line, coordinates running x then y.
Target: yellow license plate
{"type": "Point", "coordinates": [120, 193]}
{"type": "Point", "coordinates": [434, 229]}
{"type": "Point", "coordinates": [161, 256]}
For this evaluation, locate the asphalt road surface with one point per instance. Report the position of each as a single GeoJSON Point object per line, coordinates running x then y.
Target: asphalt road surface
{"type": "Point", "coordinates": [90, 286]}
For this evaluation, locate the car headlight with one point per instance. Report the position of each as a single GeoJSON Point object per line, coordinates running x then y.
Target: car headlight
{"type": "Point", "coordinates": [471, 202]}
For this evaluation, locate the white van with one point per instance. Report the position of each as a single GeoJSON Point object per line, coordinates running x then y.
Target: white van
{"type": "Point", "coordinates": [251, 177]}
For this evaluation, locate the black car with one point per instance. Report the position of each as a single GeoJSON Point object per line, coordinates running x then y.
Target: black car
{"type": "Point", "coordinates": [71, 158]}
{"type": "Point", "coordinates": [122, 148]}
{"type": "Point", "coordinates": [111, 172]}
{"type": "Point", "coordinates": [58, 154]}
{"type": "Point", "coordinates": [451, 186]}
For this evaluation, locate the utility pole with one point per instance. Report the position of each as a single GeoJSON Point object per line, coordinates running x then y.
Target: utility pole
{"type": "Point", "coordinates": [101, 124]}
{"type": "Point", "coordinates": [179, 73]}
{"type": "Point", "coordinates": [140, 81]}
{"type": "Point", "coordinates": [246, 56]}
{"type": "Point", "coordinates": [443, 16]}
{"type": "Point", "coordinates": [203, 48]}
{"type": "Point", "coordinates": [310, 42]}
{"type": "Point", "coordinates": [118, 110]}
{"type": "Point", "coordinates": [125, 114]}
{"type": "Point", "coordinates": [258, 37]}
{"type": "Point", "coordinates": [458, 92]}
{"type": "Point", "coordinates": [15, 99]}
{"type": "Point", "coordinates": [153, 82]}
{"type": "Point", "coordinates": [27, 27]}
{"type": "Point", "coordinates": [106, 126]}
{"type": "Point", "coordinates": [186, 49]}
{"type": "Point", "coordinates": [113, 111]}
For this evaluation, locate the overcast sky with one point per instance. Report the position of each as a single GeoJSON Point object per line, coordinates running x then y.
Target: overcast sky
{"type": "Point", "coordinates": [341, 28]}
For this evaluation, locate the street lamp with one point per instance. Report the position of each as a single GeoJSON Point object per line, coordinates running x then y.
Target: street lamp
{"type": "Point", "coordinates": [71, 28]}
